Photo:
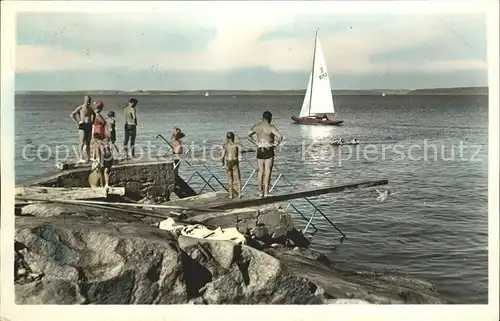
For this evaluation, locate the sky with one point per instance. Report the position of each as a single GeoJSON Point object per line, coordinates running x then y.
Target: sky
{"type": "Point", "coordinates": [247, 48]}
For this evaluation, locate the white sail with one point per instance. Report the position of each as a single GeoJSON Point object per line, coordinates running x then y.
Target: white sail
{"type": "Point", "coordinates": [318, 98]}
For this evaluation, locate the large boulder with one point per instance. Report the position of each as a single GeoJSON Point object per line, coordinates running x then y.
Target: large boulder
{"type": "Point", "coordinates": [118, 263]}
{"type": "Point", "coordinates": [75, 260]}
{"type": "Point", "coordinates": [356, 283]}
{"type": "Point", "coordinates": [244, 275]}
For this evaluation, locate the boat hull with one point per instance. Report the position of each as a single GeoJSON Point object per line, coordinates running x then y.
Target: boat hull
{"type": "Point", "coordinates": [314, 121]}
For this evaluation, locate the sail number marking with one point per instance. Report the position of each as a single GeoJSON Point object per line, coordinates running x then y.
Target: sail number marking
{"type": "Point", "coordinates": [322, 74]}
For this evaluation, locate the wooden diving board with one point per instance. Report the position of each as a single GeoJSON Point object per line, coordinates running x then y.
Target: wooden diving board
{"type": "Point", "coordinates": [226, 204]}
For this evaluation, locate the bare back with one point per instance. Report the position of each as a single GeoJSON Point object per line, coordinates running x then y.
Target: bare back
{"type": "Point", "coordinates": [266, 134]}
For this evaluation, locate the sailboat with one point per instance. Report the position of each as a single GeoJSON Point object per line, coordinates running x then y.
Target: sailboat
{"type": "Point", "coordinates": [318, 101]}
{"type": "Point", "coordinates": [207, 94]}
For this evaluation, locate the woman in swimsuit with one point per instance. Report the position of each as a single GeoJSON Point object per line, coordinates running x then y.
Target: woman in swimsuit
{"type": "Point", "coordinates": [99, 123]}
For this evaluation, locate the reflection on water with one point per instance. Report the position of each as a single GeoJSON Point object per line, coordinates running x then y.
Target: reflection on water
{"type": "Point", "coordinates": [313, 132]}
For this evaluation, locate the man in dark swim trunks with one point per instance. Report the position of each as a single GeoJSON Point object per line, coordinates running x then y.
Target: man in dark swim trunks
{"type": "Point", "coordinates": [268, 137]}
{"type": "Point", "coordinates": [230, 154]}
{"type": "Point", "coordinates": [87, 117]}
{"type": "Point", "coordinates": [130, 126]}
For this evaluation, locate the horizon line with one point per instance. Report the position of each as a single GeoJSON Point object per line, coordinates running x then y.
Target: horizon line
{"type": "Point", "coordinates": [248, 90]}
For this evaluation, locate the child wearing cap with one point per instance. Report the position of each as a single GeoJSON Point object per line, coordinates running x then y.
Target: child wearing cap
{"type": "Point", "coordinates": [230, 154]}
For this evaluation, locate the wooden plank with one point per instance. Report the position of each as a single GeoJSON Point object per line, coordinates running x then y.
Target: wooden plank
{"type": "Point", "coordinates": [74, 163]}
{"type": "Point", "coordinates": [240, 203]}
{"type": "Point", "coordinates": [68, 193]}
{"type": "Point", "coordinates": [136, 205]}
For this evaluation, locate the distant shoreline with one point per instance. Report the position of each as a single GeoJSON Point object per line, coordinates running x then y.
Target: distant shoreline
{"type": "Point", "coordinates": [481, 91]}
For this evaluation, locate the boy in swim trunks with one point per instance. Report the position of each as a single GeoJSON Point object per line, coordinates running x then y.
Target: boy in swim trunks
{"type": "Point", "coordinates": [230, 153]}
{"type": "Point", "coordinates": [111, 127]}
{"type": "Point", "coordinates": [268, 137]}
{"type": "Point", "coordinates": [86, 118]}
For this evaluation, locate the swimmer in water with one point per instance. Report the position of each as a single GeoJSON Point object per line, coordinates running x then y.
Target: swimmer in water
{"type": "Point", "coordinates": [268, 138]}
{"type": "Point", "coordinates": [382, 196]}
{"type": "Point", "coordinates": [230, 154]}
{"type": "Point", "coordinates": [86, 118]}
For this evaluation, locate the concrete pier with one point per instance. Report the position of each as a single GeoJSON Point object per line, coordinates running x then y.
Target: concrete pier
{"type": "Point", "coordinates": [142, 180]}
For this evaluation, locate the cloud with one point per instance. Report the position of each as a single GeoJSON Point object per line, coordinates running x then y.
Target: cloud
{"type": "Point", "coordinates": [112, 33]}
{"type": "Point", "coordinates": [219, 38]}
{"type": "Point", "coordinates": [351, 43]}
{"type": "Point", "coordinates": [31, 58]}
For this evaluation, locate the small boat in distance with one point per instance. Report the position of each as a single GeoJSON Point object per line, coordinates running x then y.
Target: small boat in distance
{"type": "Point", "coordinates": [318, 101]}
{"type": "Point", "coordinates": [207, 94]}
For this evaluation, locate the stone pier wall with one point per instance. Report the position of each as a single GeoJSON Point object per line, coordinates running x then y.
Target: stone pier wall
{"type": "Point", "coordinates": [149, 180]}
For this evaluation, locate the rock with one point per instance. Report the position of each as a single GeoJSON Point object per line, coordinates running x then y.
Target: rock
{"type": "Point", "coordinates": [346, 301]}
{"type": "Point", "coordinates": [260, 232]}
{"type": "Point", "coordinates": [117, 263]}
{"type": "Point", "coordinates": [369, 286]}
{"type": "Point", "coordinates": [268, 224]}
{"type": "Point", "coordinates": [295, 238]}
{"type": "Point", "coordinates": [243, 275]}
{"type": "Point", "coordinates": [49, 291]}
{"type": "Point", "coordinates": [84, 258]}
{"type": "Point", "coordinates": [83, 261]}
{"type": "Point", "coordinates": [43, 210]}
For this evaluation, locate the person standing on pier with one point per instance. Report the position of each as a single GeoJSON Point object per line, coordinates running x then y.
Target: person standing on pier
{"type": "Point", "coordinates": [268, 138]}
{"type": "Point", "coordinates": [86, 119]}
{"type": "Point", "coordinates": [130, 126]}
{"type": "Point", "coordinates": [230, 154]}
{"type": "Point", "coordinates": [111, 126]}
{"type": "Point", "coordinates": [177, 135]}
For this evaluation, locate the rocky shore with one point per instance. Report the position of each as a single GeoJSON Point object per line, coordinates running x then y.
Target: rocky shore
{"type": "Point", "coordinates": [74, 254]}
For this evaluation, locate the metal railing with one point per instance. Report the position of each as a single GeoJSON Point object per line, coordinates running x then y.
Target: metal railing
{"type": "Point", "coordinates": [281, 176]}
{"type": "Point", "coordinates": [196, 173]}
